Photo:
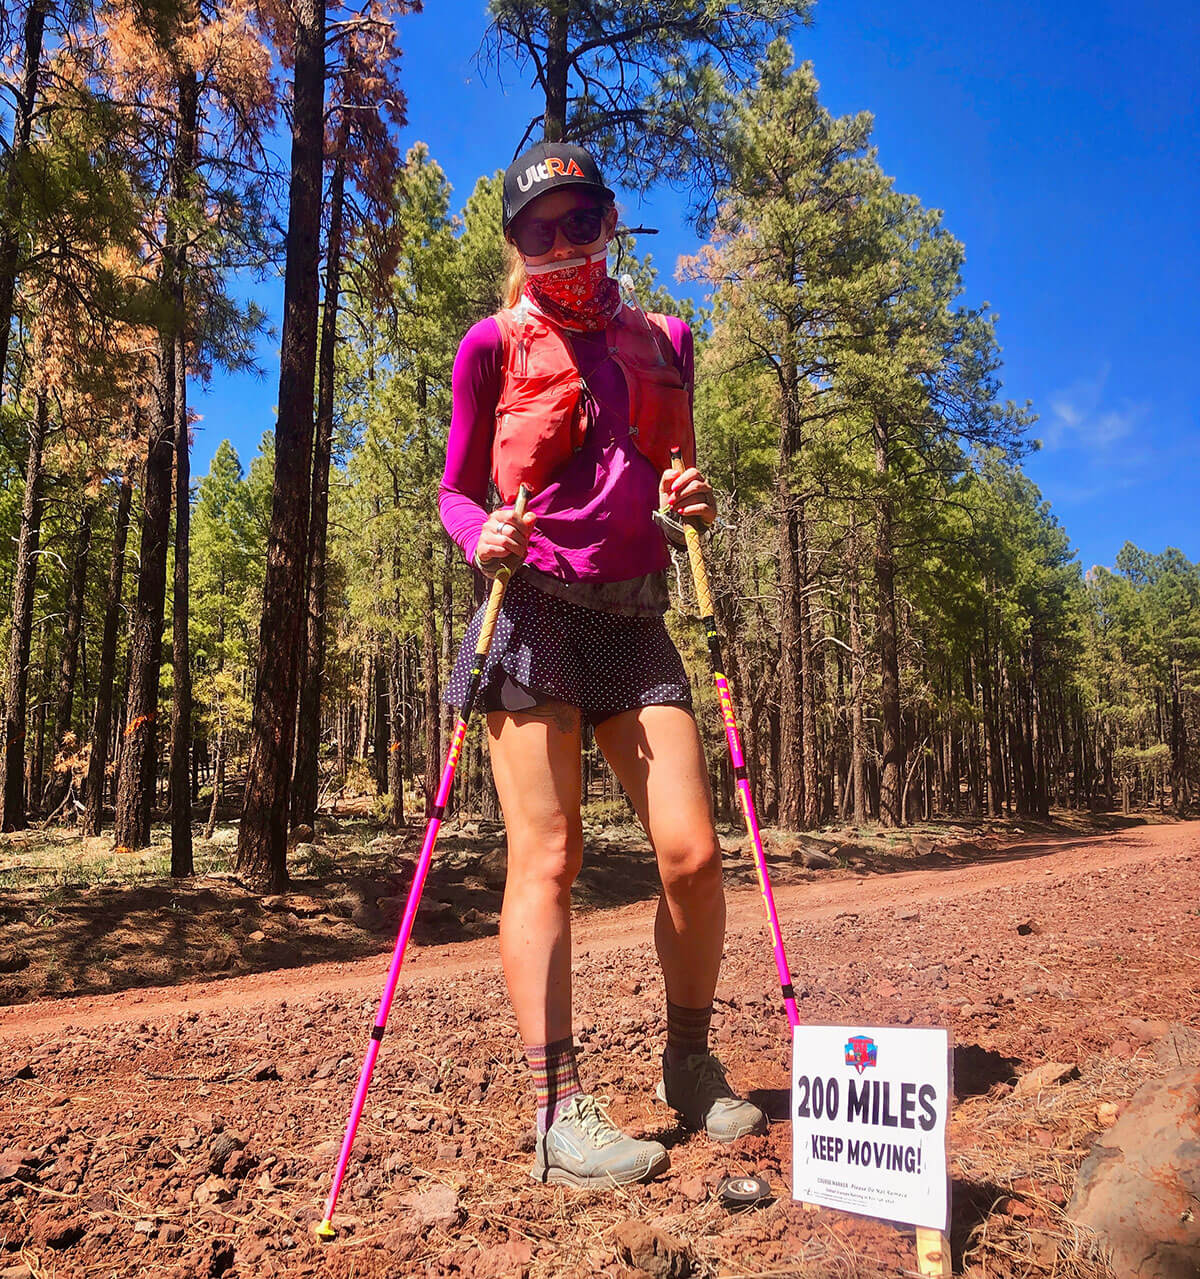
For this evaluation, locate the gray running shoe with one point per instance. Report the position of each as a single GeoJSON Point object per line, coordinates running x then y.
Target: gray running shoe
{"type": "Point", "coordinates": [583, 1147]}
{"type": "Point", "coordinates": [700, 1093]}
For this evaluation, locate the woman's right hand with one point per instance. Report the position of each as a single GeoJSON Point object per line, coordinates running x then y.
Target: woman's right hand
{"type": "Point", "coordinates": [504, 539]}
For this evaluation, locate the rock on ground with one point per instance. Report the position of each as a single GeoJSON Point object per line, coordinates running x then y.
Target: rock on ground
{"type": "Point", "coordinates": [1139, 1187]}
{"type": "Point", "coordinates": [653, 1251]}
{"type": "Point", "coordinates": [1045, 1076]}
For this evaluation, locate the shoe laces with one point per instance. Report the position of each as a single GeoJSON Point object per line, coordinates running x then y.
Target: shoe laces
{"type": "Point", "coordinates": [711, 1083]}
{"type": "Point", "coordinates": [594, 1122]}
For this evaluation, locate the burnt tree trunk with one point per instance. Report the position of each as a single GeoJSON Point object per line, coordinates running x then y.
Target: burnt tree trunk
{"type": "Point", "coordinates": [13, 816]}
{"type": "Point", "coordinates": [93, 815]}
{"type": "Point", "coordinates": [138, 770]}
{"type": "Point", "coordinates": [262, 839]}
{"type": "Point", "coordinates": [181, 701]}
{"type": "Point", "coordinates": [308, 734]}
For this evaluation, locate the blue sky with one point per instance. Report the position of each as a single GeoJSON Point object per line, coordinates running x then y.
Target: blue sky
{"type": "Point", "coordinates": [1059, 139]}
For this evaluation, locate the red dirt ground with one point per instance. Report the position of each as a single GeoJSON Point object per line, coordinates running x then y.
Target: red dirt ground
{"type": "Point", "coordinates": [113, 1107]}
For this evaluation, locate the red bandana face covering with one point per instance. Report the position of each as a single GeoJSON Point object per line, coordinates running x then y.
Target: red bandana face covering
{"type": "Point", "coordinates": [578, 294]}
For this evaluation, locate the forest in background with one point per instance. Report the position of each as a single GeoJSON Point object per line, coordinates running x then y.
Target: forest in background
{"type": "Point", "coordinates": [906, 629]}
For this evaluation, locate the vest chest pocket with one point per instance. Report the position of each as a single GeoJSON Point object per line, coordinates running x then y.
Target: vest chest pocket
{"type": "Point", "coordinates": [660, 408]}
{"type": "Point", "coordinates": [539, 424]}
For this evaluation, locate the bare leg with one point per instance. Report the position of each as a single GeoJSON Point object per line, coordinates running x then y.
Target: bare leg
{"type": "Point", "coordinates": [536, 766]}
{"type": "Point", "coordinates": [656, 753]}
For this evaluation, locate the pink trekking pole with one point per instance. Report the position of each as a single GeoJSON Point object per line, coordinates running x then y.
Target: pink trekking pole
{"type": "Point", "coordinates": [324, 1230]}
{"type": "Point", "coordinates": [707, 616]}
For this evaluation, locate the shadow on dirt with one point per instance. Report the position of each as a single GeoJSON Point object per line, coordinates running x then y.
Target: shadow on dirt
{"type": "Point", "coordinates": [775, 1103]}
{"type": "Point", "coordinates": [977, 1070]}
{"type": "Point", "coordinates": [971, 1203]}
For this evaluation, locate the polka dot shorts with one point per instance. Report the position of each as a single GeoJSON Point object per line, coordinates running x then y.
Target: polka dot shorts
{"type": "Point", "coordinates": [548, 649]}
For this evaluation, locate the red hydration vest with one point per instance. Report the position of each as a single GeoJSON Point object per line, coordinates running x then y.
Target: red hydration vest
{"type": "Point", "coordinates": [542, 413]}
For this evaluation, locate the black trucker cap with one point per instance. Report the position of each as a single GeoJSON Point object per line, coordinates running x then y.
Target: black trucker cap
{"type": "Point", "coordinates": [546, 167]}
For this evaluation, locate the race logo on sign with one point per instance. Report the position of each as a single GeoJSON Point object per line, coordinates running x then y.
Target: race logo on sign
{"type": "Point", "coordinates": [861, 1052]}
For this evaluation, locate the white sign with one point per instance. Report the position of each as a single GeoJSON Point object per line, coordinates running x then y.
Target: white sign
{"type": "Point", "coordinates": [869, 1110]}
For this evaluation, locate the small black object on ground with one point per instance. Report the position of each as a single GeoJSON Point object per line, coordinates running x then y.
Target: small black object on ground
{"type": "Point", "coordinates": [739, 1193]}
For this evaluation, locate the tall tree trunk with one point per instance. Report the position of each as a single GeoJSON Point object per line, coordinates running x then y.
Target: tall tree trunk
{"type": "Point", "coordinates": [380, 683]}
{"type": "Point", "coordinates": [557, 66]}
{"type": "Point", "coordinates": [411, 677]}
{"type": "Point", "coordinates": [1180, 792]}
{"type": "Point", "coordinates": [429, 641]}
{"type": "Point", "coordinates": [93, 816]}
{"type": "Point", "coordinates": [262, 838]}
{"type": "Point", "coordinates": [24, 585]}
{"type": "Point", "coordinates": [991, 720]}
{"type": "Point", "coordinates": [396, 735]}
{"type": "Point", "coordinates": [181, 702]}
{"type": "Point", "coordinates": [218, 783]}
{"type": "Point", "coordinates": [64, 699]}
{"type": "Point", "coordinates": [138, 770]}
{"type": "Point", "coordinates": [308, 734]}
{"type": "Point", "coordinates": [857, 746]}
{"type": "Point", "coordinates": [892, 745]}
{"type": "Point", "coordinates": [35, 27]}
{"type": "Point", "coordinates": [429, 659]}
{"type": "Point", "coordinates": [791, 692]}
{"type": "Point", "coordinates": [812, 787]}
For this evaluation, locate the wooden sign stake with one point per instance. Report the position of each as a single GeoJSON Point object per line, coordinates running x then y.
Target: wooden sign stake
{"type": "Point", "coordinates": [933, 1252]}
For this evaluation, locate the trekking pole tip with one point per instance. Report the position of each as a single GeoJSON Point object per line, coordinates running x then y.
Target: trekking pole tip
{"type": "Point", "coordinates": [325, 1231]}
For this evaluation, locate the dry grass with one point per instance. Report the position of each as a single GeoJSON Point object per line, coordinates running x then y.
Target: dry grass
{"type": "Point", "coordinates": [46, 861]}
{"type": "Point", "coordinates": [1004, 1153]}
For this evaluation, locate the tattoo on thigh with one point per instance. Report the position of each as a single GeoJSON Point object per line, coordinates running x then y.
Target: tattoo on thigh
{"type": "Point", "coordinates": [564, 717]}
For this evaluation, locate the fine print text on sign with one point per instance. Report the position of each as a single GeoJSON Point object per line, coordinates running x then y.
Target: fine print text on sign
{"type": "Point", "coordinates": [869, 1110]}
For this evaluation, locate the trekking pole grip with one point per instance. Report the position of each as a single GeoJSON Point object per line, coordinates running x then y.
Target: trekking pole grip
{"type": "Point", "coordinates": [691, 536]}
{"type": "Point", "coordinates": [499, 585]}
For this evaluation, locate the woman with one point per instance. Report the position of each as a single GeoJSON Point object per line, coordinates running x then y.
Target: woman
{"type": "Point", "coordinates": [581, 398]}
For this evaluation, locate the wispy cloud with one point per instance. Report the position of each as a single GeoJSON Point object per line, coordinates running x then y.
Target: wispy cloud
{"type": "Point", "coordinates": [1080, 418]}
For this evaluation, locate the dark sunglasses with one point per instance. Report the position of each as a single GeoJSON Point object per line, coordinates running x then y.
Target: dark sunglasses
{"type": "Point", "coordinates": [535, 236]}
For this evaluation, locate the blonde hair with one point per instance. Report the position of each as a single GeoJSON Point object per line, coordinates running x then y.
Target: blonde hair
{"type": "Point", "coordinates": [515, 277]}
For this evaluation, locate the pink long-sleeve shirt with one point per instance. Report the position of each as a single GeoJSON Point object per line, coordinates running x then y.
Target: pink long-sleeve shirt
{"type": "Point", "coordinates": [594, 519]}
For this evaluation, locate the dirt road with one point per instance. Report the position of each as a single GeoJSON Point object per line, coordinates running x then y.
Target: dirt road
{"type": "Point", "coordinates": [1017, 864]}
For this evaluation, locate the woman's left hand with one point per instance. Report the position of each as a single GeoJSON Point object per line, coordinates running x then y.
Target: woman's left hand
{"type": "Point", "coordinates": [687, 493]}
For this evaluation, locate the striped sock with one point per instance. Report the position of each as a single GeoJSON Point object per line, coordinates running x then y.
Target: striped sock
{"type": "Point", "coordinates": [687, 1031]}
{"type": "Point", "coordinates": [555, 1078]}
